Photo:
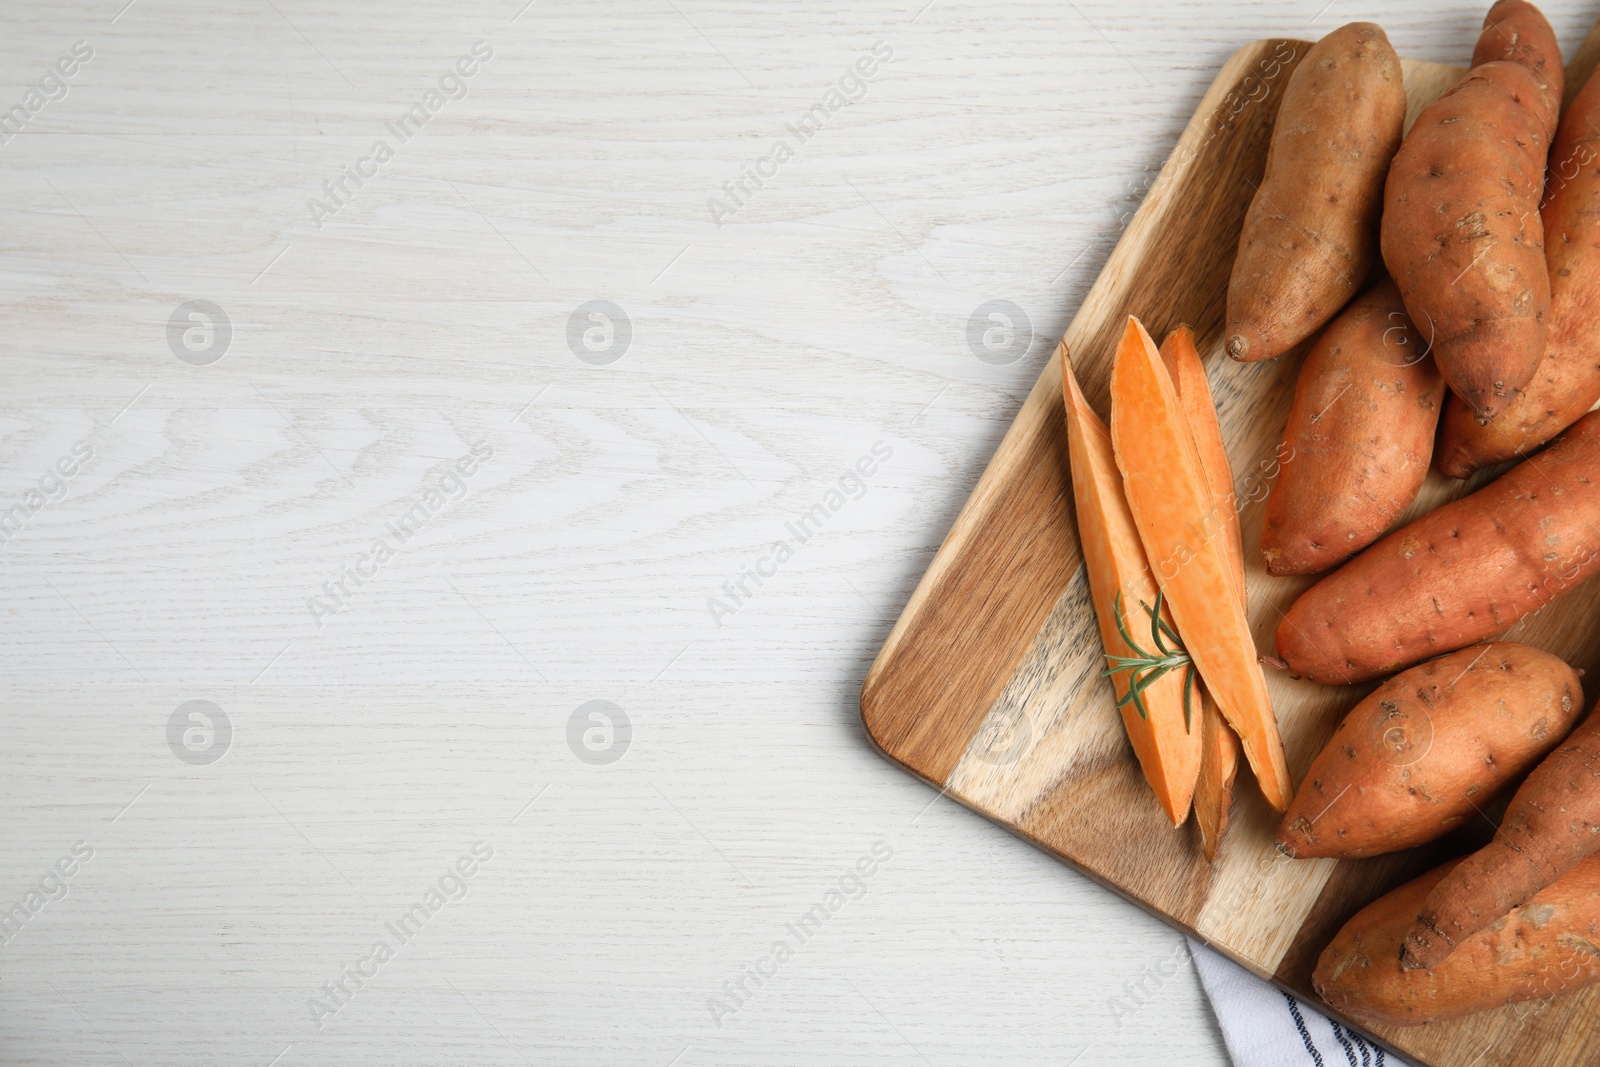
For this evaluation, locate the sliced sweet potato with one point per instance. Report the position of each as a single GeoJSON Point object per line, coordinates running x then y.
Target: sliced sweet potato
{"type": "Point", "coordinates": [1168, 748]}
{"type": "Point", "coordinates": [1188, 373]}
{"type": "Point", "coordinates": [1170, 499]}
{"type": "Point", "coordinates": [1219, 758]}
{"type": "Point", "coordinates": [1219, 765]}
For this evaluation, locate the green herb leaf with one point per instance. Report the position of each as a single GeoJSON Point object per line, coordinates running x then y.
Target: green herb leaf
{"type": "Point", "coordinates": [1145, 667]}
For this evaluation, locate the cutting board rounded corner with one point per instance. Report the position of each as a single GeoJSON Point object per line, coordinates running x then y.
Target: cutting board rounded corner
{"type": "Point", "coordinates": [876, 717]}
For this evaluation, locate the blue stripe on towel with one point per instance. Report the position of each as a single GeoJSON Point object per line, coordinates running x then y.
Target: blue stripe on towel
{"type": "Point", "coordinates": [1305, 1035]}
{"type": "Point", "coordinates": [1371, 1052]}
{"type": "Point", "coordinates": [1349, 1050]}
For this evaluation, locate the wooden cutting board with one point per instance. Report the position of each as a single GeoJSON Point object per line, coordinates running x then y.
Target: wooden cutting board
{"type": "Point", "coordinates": [988, 687]}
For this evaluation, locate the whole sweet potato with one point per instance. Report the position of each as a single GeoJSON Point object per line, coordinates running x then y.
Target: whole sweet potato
{"type": "Point", "coordinates": [1461, 228]}
{"type": "Point", "coordinates": [1549, 945]}
{"type": "Point", "coordinates": [1359, 439]}
{"type": "Point", "coordinates": [1457, 575]}
{"type": "Point", "coordinates": [1567, 381]}
{"type": "Point", "coordinates": [1428, 748]}
{"type": "Point", "coordinates": [1551, 825]}
{"type": "Point", "coordinates": [1310, 236]}
{"type": "Point", "coordinates": [1517, 31]}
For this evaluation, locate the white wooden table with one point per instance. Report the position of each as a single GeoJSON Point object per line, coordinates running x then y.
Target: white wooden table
{"type": "Point", "coordinates": [228, 378]}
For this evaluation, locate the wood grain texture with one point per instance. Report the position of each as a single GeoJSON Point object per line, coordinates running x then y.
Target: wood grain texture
{"type": "Point", "coordinates": [380, 346]}
{"type": "Point", "coordinates": [989, 684]}
{"type": "Point", "coordinates": [999, 155]}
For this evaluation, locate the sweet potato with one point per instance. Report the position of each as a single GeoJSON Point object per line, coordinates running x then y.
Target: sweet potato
{"type": "Point", "coordinates": [1309, 239]}
{"type": "Point", "coordinates": [1167, 746]}
{"type": "Point", "coordinates": [1552, 824]}
{"type": "Point", "coordinates": [1461, 230]}
{"type": "Point", "coordinates": [1219, 745]}
{"type": "Point", "coordinates": [1188, 374]}
{"type": "Point", "coordinates": [1219, 765]}
{"type": "Point", "coordinates": [1457, 575]}
{"type": "Point", "coordinates": [1359, 439]}
{"type": "Point", "coordinates": [1550, 945]}
{"type": "Point", "coordinates": [1430, 747]}
{"type": "Point", "coordinates": [1517, 31]}
{"type": "Point", "coordinates": [1169, 497]}
{"type": "Point", "coordinates": [1567, 381]}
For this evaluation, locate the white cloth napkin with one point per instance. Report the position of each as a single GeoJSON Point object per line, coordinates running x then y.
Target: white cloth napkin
{"type": "Point", "coordinates": [1266, 1027]}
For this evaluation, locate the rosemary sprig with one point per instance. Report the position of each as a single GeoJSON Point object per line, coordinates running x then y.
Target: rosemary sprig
{"type": "Point", "coordinates": [1145, 667]}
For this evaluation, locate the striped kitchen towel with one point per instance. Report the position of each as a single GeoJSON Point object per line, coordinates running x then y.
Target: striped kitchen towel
{"type": "Point", "coordinates": [1266, 1027]}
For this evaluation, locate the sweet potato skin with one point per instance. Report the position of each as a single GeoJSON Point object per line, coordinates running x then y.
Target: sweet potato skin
{"type": "Point", "coordinates": [1567, 381]}
{"type": "Point", "coordinates": [1457, 575]}
{"type": "Point", "coordinates": [1461, 230]}
{"type": "Point", "coordinates": [1309, 239]}
{"type": "Point", "coordinates": [1548, 946]}
{"type": "Point", "coordinates": [1359, 438]}
{"type": "Point", "coordinates": [1517, 31]}
{"type": "Point", "coordinates": [1219, 765]}
{"type": "Point", "coordinates": [1551, 825]}
{"type": "Point", "coordinates": [1428, 748]}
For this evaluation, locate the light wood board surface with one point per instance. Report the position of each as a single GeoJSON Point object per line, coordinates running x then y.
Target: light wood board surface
{"type": "Point", "coordinates": [989, 684]}
{"type": "Point", "coordinates": [998, 155]}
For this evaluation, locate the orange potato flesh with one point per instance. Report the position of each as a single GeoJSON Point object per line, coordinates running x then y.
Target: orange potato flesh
{"type": "Point", "coordinates": [1167, 748]}
{"type": "Point", "coordinates": [1219, 758]}
{"type": "Point", "coordinates": [1169, 497]}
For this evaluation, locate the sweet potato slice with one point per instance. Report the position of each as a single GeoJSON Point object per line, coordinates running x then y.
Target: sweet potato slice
{"type": "Point", "coordinates": [1188, 374]}
{"type": "Point", "coordinates": [1168, 748]}
{"type": "Point", "coordinates": [1169, 497]}
{"type": "Point", "coordinates": [1219, 765]}
{"type": "Point", "coordinates": [1219, 758]}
